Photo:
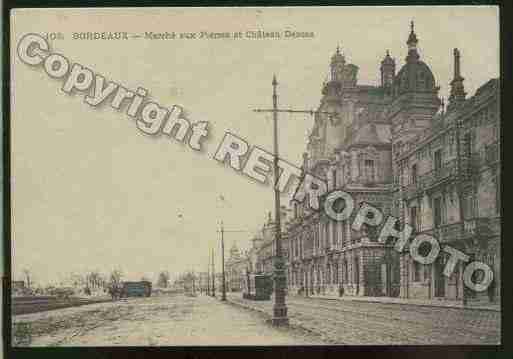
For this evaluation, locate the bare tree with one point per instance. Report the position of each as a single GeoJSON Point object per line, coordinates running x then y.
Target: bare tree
{"type": "Point", "coordinates": [94, 280]}
{"type": "Point", "coordinates": [115, 278]}
{"type": "Point", "coordinates": [114, 284]}
{"type": "Point", "coordinates": [76, 280]}
{"type": "Point", "coordinates": [163, 279]}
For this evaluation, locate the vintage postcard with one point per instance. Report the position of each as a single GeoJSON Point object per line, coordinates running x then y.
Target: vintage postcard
{"type": "Point", "coordinates": [255, 176]}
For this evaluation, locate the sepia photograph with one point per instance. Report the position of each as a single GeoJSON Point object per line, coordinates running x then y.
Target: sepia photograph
{"type": "Point", "coordinates": [254, 176]}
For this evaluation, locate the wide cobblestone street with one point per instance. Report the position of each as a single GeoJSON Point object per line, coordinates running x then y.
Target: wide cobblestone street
{"type": "Point", "coordinates": [155, 321]}
{"type": "Point", "coordinates": [362, 323]}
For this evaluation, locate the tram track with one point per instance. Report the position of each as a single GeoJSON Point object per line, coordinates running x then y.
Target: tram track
{"type": "Point", "coordinates": [369, 322]}
{"type": "Point", "coordinates": [344, 322]}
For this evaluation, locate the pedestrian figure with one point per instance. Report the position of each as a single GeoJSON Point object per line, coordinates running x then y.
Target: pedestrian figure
{"type": "Point", "coordinates": [340, 289]}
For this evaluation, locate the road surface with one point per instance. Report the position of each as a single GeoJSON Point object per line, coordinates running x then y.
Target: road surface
{"type": "Point", "coordinates": [363, 323]}
{"type": "Point", "coordinates": [154, 321]}
{"type": "Point", "coordinates": [180, 320]}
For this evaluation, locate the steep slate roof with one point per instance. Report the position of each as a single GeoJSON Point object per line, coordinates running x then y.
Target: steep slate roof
{"type": "Point", "coordinates": [369, 134]}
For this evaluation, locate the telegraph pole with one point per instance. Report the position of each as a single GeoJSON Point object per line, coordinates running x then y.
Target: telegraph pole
{"type": "Point", "coordinates": [223, 298]}
{"type": "Point", "coordinates": [279, 308]}
{"type": "Point", "coordinates": [193, 283]}
{"type": "Point", "coordinates": [462, 176]}
{"type": "Point", "coordinates": [459, 191]}
{"type": "Point", "coordinates": [280, 317]}
{"type": "Point", "coordinates": [222, 231]}
{"type": "Point", "coordinates": [213, 275]}
{"type": "Point", "coordinates": [208, 275]}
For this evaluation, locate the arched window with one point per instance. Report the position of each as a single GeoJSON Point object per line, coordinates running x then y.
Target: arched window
{"type": "Point", "coordinates": [335, 233]}
{"type": "Point", "coordinates": [416, 271]}
{"type": "Point", "coordinates": [367, 164]}
{"type": "Point", "coordinates": [327, 235]}
{"type": "Point", "coordinates": [343, 234]}
{"type": "Point", "coordinates": [404, 83]}
{"type": "Point", "coordinates": [429, 83]}
{"type": "Point", "coordinates": [369, 170]}
{"type": "Point", "coordinates": [421, 85]}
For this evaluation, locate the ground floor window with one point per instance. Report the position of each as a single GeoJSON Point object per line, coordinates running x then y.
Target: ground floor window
{"type": "Point", "coordinates": [427, 270]}
{"type": "Point", "coordinates": [416, 271]}
{"type": "Point", "coordinates": [335, 273]}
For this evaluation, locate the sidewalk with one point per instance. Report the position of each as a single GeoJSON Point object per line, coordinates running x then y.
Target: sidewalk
{"type": "Point", "coordinates": [421, 302]}
{"type": "Point", "coordinates": [380, 321]}
{"type": "Point", "coordinates": [410, 301]}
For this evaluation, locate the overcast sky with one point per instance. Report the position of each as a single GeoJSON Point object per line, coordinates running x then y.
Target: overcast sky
{"type": "Point", "coordinates": [90, 191]}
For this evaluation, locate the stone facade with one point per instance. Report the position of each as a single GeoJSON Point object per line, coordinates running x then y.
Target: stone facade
{"type": "Point", "coordinates": [450, 177]}
{"type": "Point", "coordinates": [396, 147]}
{"type": "Point", "coordinates": [203, 281]}
{"type": "Point", "coordinates": [236, 268]}
{"type": "Point", "coordinates": [260, 257]}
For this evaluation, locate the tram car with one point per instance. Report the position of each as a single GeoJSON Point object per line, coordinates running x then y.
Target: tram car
{"type": "Point", "coordinates": [258, 287]}
{"type": "Point", "coordinates": [136, 289]}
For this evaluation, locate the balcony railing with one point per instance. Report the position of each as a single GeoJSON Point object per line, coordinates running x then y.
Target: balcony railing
{"type": "Point", "coordinates": [330, 249]}
{"type": "Point", "coordinates": [430, 179]}
{"type": "Point", "coordinates": [446, 232]}
{"type": "Point", "coordinates": [475, 227]}
{"type": "Point", "coordinates": [478, 160]}
{"type": "Point", "coordinates": [447, 170]}
{"type": "Point", "coordinates": [413, 189]}
{"type": "Point", "coordinates": [492, 153]}
{"type": "Point", "coordinates": [481, 227]}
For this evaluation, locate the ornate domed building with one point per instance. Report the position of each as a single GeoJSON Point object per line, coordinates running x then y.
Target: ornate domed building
{"type": "Point", "coordinates": [395, 147]}
{"type": "Point", "coordinates": [415, 75]}
{"type": "Point", "coordinates": [236, 267]}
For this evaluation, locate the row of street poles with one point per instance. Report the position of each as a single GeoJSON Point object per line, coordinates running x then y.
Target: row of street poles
{"type": "Point", "coordinates": [280, 317]}
{"type": "Point", "coordinates": [213, 287]}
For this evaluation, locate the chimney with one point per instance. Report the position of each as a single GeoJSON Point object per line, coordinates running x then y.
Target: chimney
{"type": "Point", "coordinates": [458, 93]}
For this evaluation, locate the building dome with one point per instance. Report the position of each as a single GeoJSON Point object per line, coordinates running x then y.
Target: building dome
{"type": "Point", "coordinates": [414, 76]}
{"type": "Point", "coordinates": [234, 251]}
{"type": "Point", "coordinates": [388, 60]}
{"type": "Point", "coordinates": [338, 57]}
